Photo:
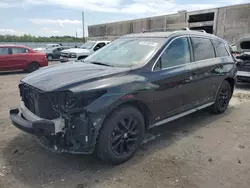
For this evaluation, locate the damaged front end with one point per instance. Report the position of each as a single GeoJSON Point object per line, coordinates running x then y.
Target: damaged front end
{"type": "Point", "coordinates": [59, 120]}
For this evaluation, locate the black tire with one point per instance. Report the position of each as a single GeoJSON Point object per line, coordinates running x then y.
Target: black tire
{"type": "Point", "coordinates": [82, 57]}
{"type": "Point", "coordinates": [115, 144]}
{"type": "Point", "coordinates": [223, 98]}
{"type": "Point", "coordinates": [50, 58]}
{"type": "Point", "coordinates": [33, 67]}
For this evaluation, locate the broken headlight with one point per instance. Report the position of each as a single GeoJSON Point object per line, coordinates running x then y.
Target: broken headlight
{"type": "Point", "coordinates": [68, 102]}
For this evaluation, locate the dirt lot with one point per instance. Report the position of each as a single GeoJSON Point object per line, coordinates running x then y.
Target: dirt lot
{"type": "Point", "coordinates": [200, 150]}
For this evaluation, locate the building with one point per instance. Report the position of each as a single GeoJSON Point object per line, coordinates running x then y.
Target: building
{"type": "Point", "coordinates": [226, 22]}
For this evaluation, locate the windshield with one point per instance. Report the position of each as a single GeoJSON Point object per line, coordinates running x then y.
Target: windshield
{"type": "Point", "coordinates": [126, 52]}
{"type": "Point", "coordinates": [88, 45]}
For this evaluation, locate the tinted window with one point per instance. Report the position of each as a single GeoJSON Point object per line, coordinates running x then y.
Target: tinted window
{"type": "Point", "coordinates": [203, 48]}
{"type": "Point", "coordinates": [19, 50]}
{"type": "Point", "coordinates": [4, 51]}
{"type": "Point", "coordinates": [99, 45]}
{"type": "Point", "coordinates": [245, 45]}
{"type": "Point", "coordinates": [176, 54]}
{"type": "Point", "coordinates": [220, 48]}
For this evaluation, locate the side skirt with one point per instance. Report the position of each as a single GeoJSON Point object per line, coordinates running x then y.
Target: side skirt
{"type": "Point", "coordinates": [180, 115]}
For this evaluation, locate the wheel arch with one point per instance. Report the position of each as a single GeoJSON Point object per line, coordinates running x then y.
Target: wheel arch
{"type": "Point", "coordinates": [35, 63]}
{"type": "Point", "coordinates": [50, 55]}
{"type": "Point", "coordinates": [139, 105]}
{"type": "Point", "coordinates": [231, 81]}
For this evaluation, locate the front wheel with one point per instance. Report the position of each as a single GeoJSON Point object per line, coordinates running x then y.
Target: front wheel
{"type": "Point", "coordinates": [121, 135]}
{"type": "Point", "coordinates": [223, 98]}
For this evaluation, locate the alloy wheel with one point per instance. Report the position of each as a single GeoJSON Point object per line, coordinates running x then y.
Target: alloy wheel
{"type": "Point", "coordinates": [125, 136]}
{"type": "Point", "coordinates": [224, 97]}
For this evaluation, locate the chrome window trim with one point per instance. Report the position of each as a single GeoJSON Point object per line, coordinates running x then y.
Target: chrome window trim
{"type": "Point", "coordinates": [183, 36]}
{"type": "Point", "coordinates": [193, 62]}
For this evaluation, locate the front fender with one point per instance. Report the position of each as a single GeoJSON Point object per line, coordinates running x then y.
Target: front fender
{"type": "Point", "coordinates": [142, 92]}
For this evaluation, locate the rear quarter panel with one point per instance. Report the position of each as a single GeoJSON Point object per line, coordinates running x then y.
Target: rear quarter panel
{"type": "Point", "coordinates": [39, 58]}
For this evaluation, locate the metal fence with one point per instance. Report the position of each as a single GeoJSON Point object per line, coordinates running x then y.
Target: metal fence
{"type": "Point", "coordinates": [40, 44]}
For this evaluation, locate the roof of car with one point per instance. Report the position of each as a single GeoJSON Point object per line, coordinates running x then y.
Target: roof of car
{"type": "Point", "coordinates": [13, 46]}
{"type": "Point", "coordinates": [98, 41]}
{"type": "Point", "coordinates": [167, 34]}
{"type": "Point", "coordinates": [53, 44]}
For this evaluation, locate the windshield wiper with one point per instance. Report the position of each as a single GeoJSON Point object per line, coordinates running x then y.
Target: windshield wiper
{"type": "Point", "coordinates": [99, 63]}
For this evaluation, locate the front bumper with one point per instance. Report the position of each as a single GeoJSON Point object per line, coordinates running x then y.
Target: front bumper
{"type": "Point", "coordinates": [66, 59]}
{"type": "Point", "coordinates": [28, 122]}
{"type": "Point", "coordinates": [77, 138]}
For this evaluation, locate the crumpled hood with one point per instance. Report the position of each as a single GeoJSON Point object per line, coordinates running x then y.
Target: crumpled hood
{"type": "Point", "coordinates": [76, 50]}
{"type": "Point", "coordinates": [67, 75]}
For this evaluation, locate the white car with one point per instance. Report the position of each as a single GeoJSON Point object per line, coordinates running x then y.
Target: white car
{"type": "Point", "coordinates": [84, 51]}
{"type": "Point", "coordinates": [47, 46]}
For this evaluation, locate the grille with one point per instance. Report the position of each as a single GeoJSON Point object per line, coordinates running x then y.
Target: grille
{"type": "Point", "coordinates": [37, 102]}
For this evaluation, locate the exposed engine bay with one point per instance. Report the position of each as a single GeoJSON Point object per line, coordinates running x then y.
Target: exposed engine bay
{"type": "Point", "coordinates": [61, 123]}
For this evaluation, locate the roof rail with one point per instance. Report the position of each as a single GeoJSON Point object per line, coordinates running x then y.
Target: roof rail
{"type": "Point", "coordinates": [200, 31]}
{"type": "Point", "coordinates": [167, 29]}
{"type": "Point", "coordinates": [163, 29]}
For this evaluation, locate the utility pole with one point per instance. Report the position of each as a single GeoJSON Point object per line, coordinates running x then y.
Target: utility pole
{"type": "Point", "coordinates": [83, 32]}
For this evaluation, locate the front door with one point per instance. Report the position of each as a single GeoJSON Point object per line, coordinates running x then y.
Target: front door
{"type": "Point", "coordinates": [174, 78]}
{"type": "Point", "coordinates": [5, 63]}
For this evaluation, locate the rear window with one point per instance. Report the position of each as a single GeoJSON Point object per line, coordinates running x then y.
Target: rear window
{"type": "Point", "coordinates": [220, 48]}
{"type": "Point", "coordinates": [4, 51]}
{"type": "Point", "coordinates": [245, 45]}
{"type": "Point", "coordinates": [203, 48]}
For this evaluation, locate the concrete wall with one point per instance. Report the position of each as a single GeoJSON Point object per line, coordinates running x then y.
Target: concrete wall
{"type": "Point", "coordinates": [159, 23]}
{"type": "Point", "coordinates": [229, 23]}
{"type": "Point", "coordinates": [233, 22]}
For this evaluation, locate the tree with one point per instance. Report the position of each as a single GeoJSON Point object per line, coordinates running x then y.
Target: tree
{"type": "Point", "coordinates": [30, 38]}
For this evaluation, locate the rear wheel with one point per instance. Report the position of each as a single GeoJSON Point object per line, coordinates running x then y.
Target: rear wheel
{"type": "Point", "coordinates": [50, 57]}
{"type": "Point", "coordinates": [223, 98]}
{"type": "Point", "coordinates": [33, 67]}
{"type": "Point", "coordinates": [121, 135]}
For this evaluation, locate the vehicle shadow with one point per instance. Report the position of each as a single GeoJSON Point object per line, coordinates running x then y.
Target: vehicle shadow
{"type": "Point", "coordinates": [2, 73]}
{"type": "Point", "coordinates": [36, 167]}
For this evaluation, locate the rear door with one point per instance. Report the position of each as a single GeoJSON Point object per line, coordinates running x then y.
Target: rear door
{"type": "Point", "coordinates": [19, 57]}
{"type": "Point", "coordinates": [206, 77]}
{"type": "Point", "coordinates": [5, 62]}
{"type": "Point", "coordinates": [174, 71]}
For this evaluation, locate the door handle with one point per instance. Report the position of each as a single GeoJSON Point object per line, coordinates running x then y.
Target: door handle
{"type": "Point", "coordinates": [189, 79]}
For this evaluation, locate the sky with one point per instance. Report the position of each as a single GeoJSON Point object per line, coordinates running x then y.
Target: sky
{"type": "Point", "coordinates": [64, 17]}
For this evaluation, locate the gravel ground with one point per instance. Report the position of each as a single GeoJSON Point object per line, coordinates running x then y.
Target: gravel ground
{"type": "Point", "coordinates": [200, 150]}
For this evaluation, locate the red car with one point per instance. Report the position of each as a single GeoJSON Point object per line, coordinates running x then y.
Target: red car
{"type": "Point", "coordinates": [16, 57]}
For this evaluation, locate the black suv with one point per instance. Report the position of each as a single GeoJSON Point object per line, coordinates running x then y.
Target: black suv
{"type": "Point", "coordinates": [107, 102]}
